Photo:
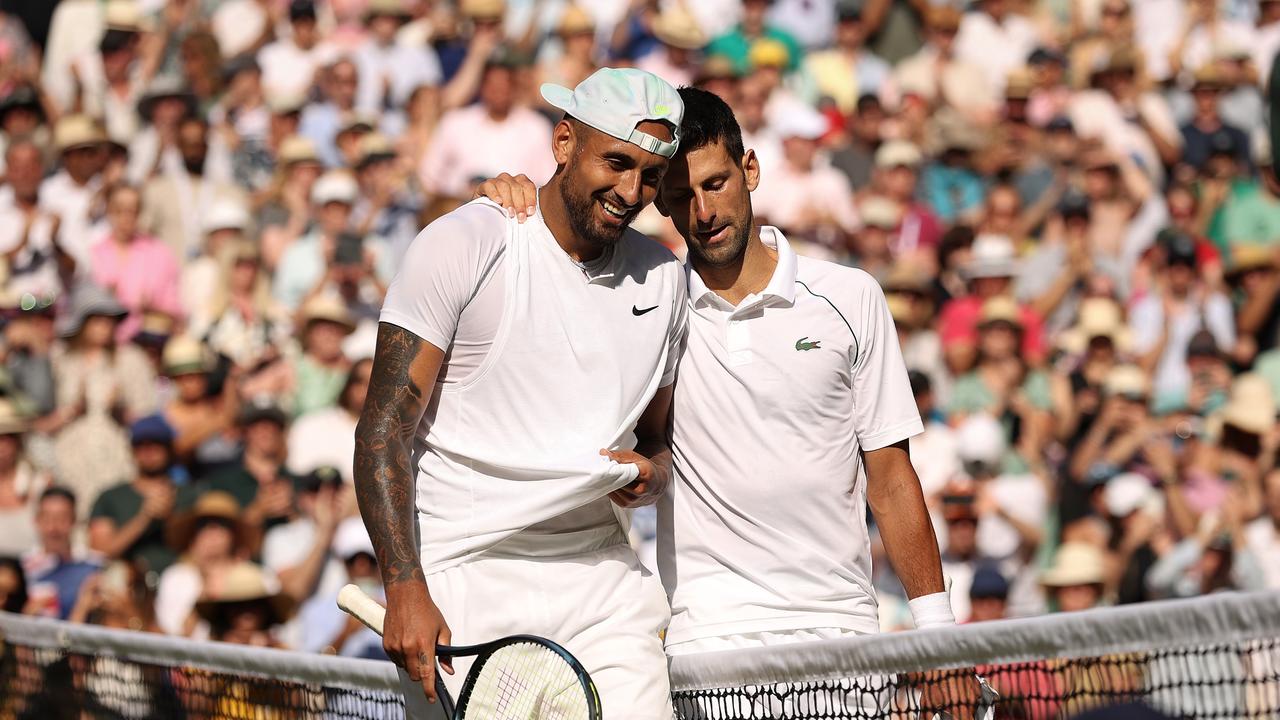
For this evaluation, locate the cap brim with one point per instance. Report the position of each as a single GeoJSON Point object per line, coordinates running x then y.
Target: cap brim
{"type": "Point", "coordinates": [558, 96]}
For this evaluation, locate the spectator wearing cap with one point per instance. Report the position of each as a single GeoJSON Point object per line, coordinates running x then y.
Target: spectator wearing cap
{"type": "Point", "coordinates": [390, 199]}
{"type": "Point", "coordinates": [242, 118]}
{"type": "Point", "coordinates": [202, 422]}
{"type": "Point", "coordinates": [990, 272]}
{"type": "Point", "coordinates": [911, 301]}
{"type": "Point", "coordinates": [848, 70]}
{"type": "Point", "coordinates": [896, 177]}
{"type": "Point", "coordinates": [1124, 210]}
{"type": "Point", "coordinates": [325, 627]}
{"type": "Point", "coordinates": [226, 223]}
{"type": "Point", "coordinates": [165, 103]}
{"type": "Point", "coordinates": [259, 481]}
{"type": "Point", "coordinates": [1165, 319]}
{"type": "Point", "coordinates": [305, 261]}
{"type": "Point", "coordinates": [209, 538]}
{"type": "Point", "coordinates": [140, 271]}
{"type": "Point", "coordinates": [20, 482]}
{"type": "Point", "coordinates": [961, 555]}
{"type": "Point", "coordinates": [1076, 579]}
{"type": "Point", "coordinates": [871, 247]}
{"type": "Point", "coordinates": [100, 384]}
{"type": "Point", "coordinates": [28, 231]}
{"type": "Point", "coordinates": [806, 198]}
{"type": "Point", "coordinates": [326, 437]}
{"type": "Point", "coordinates": [389, 71]}
{"type": "Point", "coordinates": [1206, 30]}
{"type": "Point", "coordinates": [1206, 130]}
{"type": "Point", "coordinates": [1112, 28]}
{"type": "Point", "coordinates": [22, 115]}
{"type": "Point", "coordinates": [71, 192]}
{"type": "Point", "coordinates": [484, 139]}
{"type": "Point", "coordinates": [320, 372]}
{"type": "Point", "coordinates": [242, 27]}
{"type": "Point", "coordinates": [1136, 511]}
{"type": "Point", "coordinates": [1262, 535]}
{"type": "Point", "coordinates": [988, 595]}
{"type": "Point", "coordinates": [995, 39]}
{"type": "Point", "coordinates": [188, 186]}
{"type": "Point", "coordinates": [679, 40]}
{"type": "Point", "coordinates": [127, 520]}
{"type": "Point", "coordinates": [754, 27]}
{"type": "Point", "coordinates": [290, 64]}
{"type": "Point", "coordinates": [1050, 96]}
{"type": "Point", "coordinates": [938, 76]}
{"type": "Point", "coordinates": [110, 79]}
{"type": "Point", "coordinates": [575, 58]}
{"type": "Point", "coordinates": [299, 550]}
{"type": "Point", "coordinates": [1116, 440]}
{"type": "Point", "coordinates": [56, 566]}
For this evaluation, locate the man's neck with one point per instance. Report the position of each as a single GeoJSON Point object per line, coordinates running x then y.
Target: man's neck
{"type": "Point", "coordinates": [260, 463]}
{"type": "Point", "coordinates": [556, 215]}
{"type": "Point", "coordinates": [497, 115]}
{"type": "Point", "coordinates": [147, 479]}
{"type": "Point", "coordinates": [749, 275]}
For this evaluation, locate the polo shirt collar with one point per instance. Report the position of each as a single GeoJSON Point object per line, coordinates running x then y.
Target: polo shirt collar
{"type": "Point", "coordinates": [782, 284]}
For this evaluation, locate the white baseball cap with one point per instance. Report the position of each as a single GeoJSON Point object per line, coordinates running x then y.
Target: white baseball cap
{"type": "Point", "coordinates": [226, 215]}
{"type": "Point", "coordinates": [335, 186]}
{"type": "Point", "coordinates": [801, 122]}
{"type": "Point", "coordinates": [351, 538]}
{"type": "Point", "coordinates": [615, 100]}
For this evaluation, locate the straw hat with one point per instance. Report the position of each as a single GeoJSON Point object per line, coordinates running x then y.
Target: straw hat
{"type": "Point", "coordinates": [246, 582]}
{"type": "Point", "coordinates": [374, 147]}
{"type": "Point", "coordinates": [388, 8]}
{"type": "Point", "coordinates": [1126, 380]}
{"type": "Point", "coordinates": [1098, 317]}
{"type": "Point", "coordinates": [880, 212]}
{"type": "Point", "coordinates": [942, 17]}
{"type": "Point", "coordinates": [768, 52]}
{"type": "Point", "coordinates": [906, 277]}
{"type": "Point", "coordinates": [296, 149]}
{"type": "Point", "coordinates": [77, 131]}
{"type": "Point", "coordinates": [1208, 77]}
{"type": "Point", "coordinates": [900, 309]}
{"type": "Point", "coordinates": [575, 21]}
{"type": "Point", "coordinates": [1000, 309]}
{"type": "Point", "coordinates": [156, 329]}
{"type": "Point", "coordinates": [716, 67]}
{"type": "Point", "coordinates": [1019, 83]}
{"type": "Point", "coordinates": [677, 28]}
{"type": "Point", "coordinates": [992, 256]}
{"type": "Point", "coordinates": [1075, 563]}
{"type": "Point", "coordinates": [482, 9]}
{"type": "Point", "coordinates": [165, 87]}
{"type": "Point", "coordinates": [1250, 404]}
{"type": "Point", "coordinates": [326, 308]}
{"type": "Point", "coordinates": [124, 15]}
{"type": "Point", "coordinates": [286, 103]}
{"type": "Point", "coordinates": [215, 504]}
{"type": "Point", "coordinates": [184, 355]}
{"type": "Point", "coordinates": [1245, 258]}
{"type": "Point", "coordinates": [87, 301]}
{"type": "Point", "coordinates": [898, 153]}
{"type": "Point", "coordinates": [12, 420]}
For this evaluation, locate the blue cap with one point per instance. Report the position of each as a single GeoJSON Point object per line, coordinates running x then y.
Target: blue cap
{"type": "Point", "coordinates": [988, 583]}
{"type": "Point", "coordinates": [151, 429]}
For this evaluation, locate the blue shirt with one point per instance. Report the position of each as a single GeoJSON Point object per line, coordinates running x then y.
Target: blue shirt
{"type": "Point", "coordinates": [67, 577]}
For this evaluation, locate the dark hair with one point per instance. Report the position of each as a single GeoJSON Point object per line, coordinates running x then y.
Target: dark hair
{"type": "Point", "coordinates": [115, 40]}
{"type": "Point", "coordinates": [18, 599]}
{"type": "Point", "coordinates": [59, 491]}
{"type": "Point", "coordinates": [708, 120]}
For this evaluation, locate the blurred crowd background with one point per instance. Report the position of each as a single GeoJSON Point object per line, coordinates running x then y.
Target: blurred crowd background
{"type": "Point", "coordinates": [201, 203]}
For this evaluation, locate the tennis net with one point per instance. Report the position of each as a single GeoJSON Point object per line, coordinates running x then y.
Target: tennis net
{"type": "Point", "coordinates": [1213, 657]}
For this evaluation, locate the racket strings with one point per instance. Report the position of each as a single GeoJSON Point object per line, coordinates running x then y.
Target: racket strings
{"type": "Point", "coordinates": [526, 681]}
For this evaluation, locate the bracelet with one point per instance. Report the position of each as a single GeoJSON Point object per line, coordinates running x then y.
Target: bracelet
{"type": "Point", "coordinates": [932, 610]}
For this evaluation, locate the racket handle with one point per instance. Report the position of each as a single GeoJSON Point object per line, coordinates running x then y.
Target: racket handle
{"type": "Point", "coordinates": [359, 605]}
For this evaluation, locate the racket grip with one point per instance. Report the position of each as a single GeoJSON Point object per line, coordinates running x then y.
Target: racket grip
{"type": "Point", "coordinates": [359, 605]}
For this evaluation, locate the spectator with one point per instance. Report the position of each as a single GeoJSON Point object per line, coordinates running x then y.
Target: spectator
{"type": "Point", "coordinates": [1095, 345]}
{"type": "Point", "coordinates": [1262, 535]}
{"type": "Point", "coordinates": [961, 556]}
{"type": "Point", "coordinates": [870, 247]}
{"type": "Point", "coordinates": [21, 484]}
{"type": "Point", "coordinates": [305, 261]}
{"type": "Point", "coordinates": [101, 384]}
{"type": "Point", "coordinates": [127, 520]}
{"type": "Point", "coordinates": [289, 64]}
{"type": "Point", "coordinates": [940, 77]}
{"type": "Point", "coordinates": [109, 80]}
{"type": "Point", "coordinates": [29, 236]}
{"type": "Point", "coordinates": [389, 71]}
{"type": "Point", "coordinates": [209, 539]}
{"type": "Point", "coordinates": [935, 452]}
{"type": "Point", "coordinates": [242, 321]}
{"type": "Point", "coordinates": [71, 193]}
{"type": "Point", "coordinates": [13, 585]}
{"type": "Point", "coordinates": [285, 212]}
{"type": "Point", "coordinates": [848, 70]}
{"type": "Point", "coordinates": [259, 482]}
{"type": "Point", "coordinates": [326, 437]}
{"type": "Point", "coordinates": [737, 44]}
{"type": "Point", "coordinates": [897, 174]}
{"type": "Point", "coordinates": [245, 608]}
{"type": "Point", "coordinates": [576, 56]}
{"type": "Point", "coordinates": [995, 39]}
{"type": "Point", "coordinates": [1137, 511]}
{"type": "Point", "coordinates": [166, 102]}
{"type": "Point", "coordinates": [226, 223]}
{"type": "Point", "coordinates": [322, 123]}
{"type": "Point", "coordinates": [202, 422]}
{"type": "Point", "coordinates": [1215, 558]}
{"type": "Point", "coordinates": [988, 595]}
{"type": "Point", "coordinates": [326, 628]}
{"type": "Point", "coordinates": [679, 39]}
{"type": "Point", "coordinates": [1075, 579]}
{"type": "Point", "coordinates": [138, 269]}
{"type": "Point", "coordinates": [57, 568]}
{"type": "Point", "coordinates": [1206, 128]}
{"type": "Point", "coordinates": [28, 340]}
{"type": "Point", "coordinates": [320, 372]}
{"type": "Point", "coordinates": [388, 207]}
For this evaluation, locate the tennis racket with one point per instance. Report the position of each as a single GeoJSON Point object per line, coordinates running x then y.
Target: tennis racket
{"type": "Point", "coordinates": [521, 677]}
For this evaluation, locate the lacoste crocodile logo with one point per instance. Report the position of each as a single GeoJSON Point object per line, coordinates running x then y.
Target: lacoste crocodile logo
{"type": "Point", "coordinates": [804, 344]}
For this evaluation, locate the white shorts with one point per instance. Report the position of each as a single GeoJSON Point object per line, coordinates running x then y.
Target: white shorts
{"type": "Point", "coordinates": [602, 606]}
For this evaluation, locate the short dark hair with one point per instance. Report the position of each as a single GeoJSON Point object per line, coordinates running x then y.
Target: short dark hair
{"type": "Point", "coordinates": [59, 491]}
{"type": "Point", "coordinates": [708, 120]}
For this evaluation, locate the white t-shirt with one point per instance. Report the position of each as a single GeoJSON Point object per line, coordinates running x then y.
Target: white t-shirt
{"type": "Point", "coordinates": [547, 361]}
{"type": "Point", "coordinates": [765, 526]}
{"type": "Point", "coordinates": [323, 437]}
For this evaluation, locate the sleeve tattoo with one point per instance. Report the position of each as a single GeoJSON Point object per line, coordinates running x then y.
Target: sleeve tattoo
{"type": "Point", "coordinates": [384, 473]}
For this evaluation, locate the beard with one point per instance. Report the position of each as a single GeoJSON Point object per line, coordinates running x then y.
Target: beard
{"type": "Point", "coordinates": [583, 220]}
{"type": "Point", "coordinates": [723, 255]}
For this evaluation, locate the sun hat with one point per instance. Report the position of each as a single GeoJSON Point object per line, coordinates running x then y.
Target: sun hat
{"type": "Point", "coordinates": [615, 100]}
{"type": "Point", "coordinates": [352, 538]}
{"type": "Point", "coordinates": [385, 8]}
{"type": "Point", "coordinates": [992, 256]}
{"type": "Point", "coordinates": [1126, 493]}
{"type": "Point", "coordinates": [261, 407]}
{"type": "Point", "coordinates": [326, 308]}
{"type": "Point", "coordinates": [1250, 404]}
{"type": "Point", "coordinates": [12, 420]}
{"type": "Point", "coordinates": [880, 212]}
{"type": "Point", "coordinates": [296, 149]}
{"type": "Point", "coordinates": [184, 355]}
{"type": "Point", "coordinates": [482, 9]}
{"type": "Point", "coordinates": [677, 28]}
{"type": "Point", "coordinates": [575, 21]}
{"type": "Point", "coordinates": [898, 153]}
{"type": "Point", "coordinates": [335, 186]}
{"type": "Point", "coordinates": [373, 147]}
{"type": "Point", "coordinates": [87, 301]}
{"type": "Point", "coordinates": [77, 131]}
{"type": "Point", "coordinates": [801, 122]}
{"type": "Point", "coordinates": [1247, 257]}
{"type": "Point", "coordinates": [162, 88]}
{"type": "Point", "coordinates": [246, 582]}
{"type": "Point", "coordinates": [1000, 309]}
{"type": "Point", "coordinates": [156, 329]}
{"type": "Point", "coordinates": [215, 504]}
{"type": "Point", "coordinates": [1127, 381]}
{"type": "Point", "coordinates": [225, 215]}
{"type": "Point", "coordinates": [1075, 563]}
{"type": "Point", "coordinates": [980, 439]}
{"type": "Point", "coordinates": [906, 276]}
{"type": "Point", "coordinates": [769, 53]}
{"type": "Point", "coordinates": [124, 15]}
{"type": "Point", "coordinates": [1098, 317]}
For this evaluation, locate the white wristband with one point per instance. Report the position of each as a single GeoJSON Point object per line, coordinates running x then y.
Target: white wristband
{"type": "Point", "coordinates": [932, 610]}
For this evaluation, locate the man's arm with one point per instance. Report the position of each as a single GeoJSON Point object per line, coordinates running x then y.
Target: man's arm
{"type": "Point", "coordinates": [896, 500]}
{"type": "Point", "coordinates": [652, 454]}
{"type": "Point", "coordinates": [404, 372]}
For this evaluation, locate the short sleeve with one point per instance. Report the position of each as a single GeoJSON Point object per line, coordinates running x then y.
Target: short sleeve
{"type": "Point", "coordinates": [884, 407]}
{"type": "Point", "coordinates": [103, 507]}
{"type": "Point", "coordinates": [679, 330]}
{"type": "Point", "coordinates": [443, 269]}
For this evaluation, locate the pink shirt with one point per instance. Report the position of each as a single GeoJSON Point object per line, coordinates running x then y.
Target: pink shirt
{"type": "Point", "coordinates": [958, 325]}
{"type": "Point", "coordinates": [470, 144]}
{"type": "Point", "coordinates": [143, 275]}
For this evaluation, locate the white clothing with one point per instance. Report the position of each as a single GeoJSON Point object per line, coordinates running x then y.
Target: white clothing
{"type": "Point", "coordinates": [1263, 540]}
{"type": "Point", "coordinates": [997, 48]}
{"type": "Point", "coordinates": [75, 28]}
{"type": "Point", "coordinates": [599, 604]}
{"type": "Point", "coordinates": [1161, 23]}
{"type": "Point", "coordinates": [764, 527]}
{"type": "Point", "coordinates": [1022, 496]}
{"type": "Point", "coordinates": [512, 444]}
{"type": "Point", "coordinates": [288, 70]}
{"type": "Point", "coordinates": [810, 22]}
{"type": "Point", "coordinates": [393, 73]}
{"type": "Point", "coordinates": [468, 143]}
{"type": "Point", "coordinates": [71, 203]}
{"type": "Point", "coordinates": [1265, 47]}
{"type": "Point", "coordinates": [323, 437]}
{"type": "Point", "coordinates": [1147, 319]}
{"type": "Point", "coordinates": [795, 199]}
{"type": "Point", "coordinates": [34, 269]}
{"type": "Point", "coordinates": [286, 546]}
{"type": "Point", "coordinates": [237, 24]}
{"type": "Point", "coordinates": [1096, 115]}
{"type": "Point", "coordinates": [179, 589]}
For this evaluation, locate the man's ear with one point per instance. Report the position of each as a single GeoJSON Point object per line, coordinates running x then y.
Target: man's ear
{"type": "Point", "coordinates": [751, 169]}
{"type": "Point", "coordinates": [563, 141]}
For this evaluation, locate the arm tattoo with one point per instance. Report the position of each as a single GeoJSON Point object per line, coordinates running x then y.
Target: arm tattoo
{"type": "Point", "coordinates": [383, 460]}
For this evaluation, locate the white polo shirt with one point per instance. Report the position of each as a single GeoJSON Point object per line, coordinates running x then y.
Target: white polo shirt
{"type": "Point", "coordinates": [547, 361]}
{"type": "Point", "coordinates": [765, 526]}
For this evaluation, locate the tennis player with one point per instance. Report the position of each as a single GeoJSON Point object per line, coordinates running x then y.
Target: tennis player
{"type": "Point", "coordinates": [793, 411]}
{"type": "Point", "coordinates": [527, 369]}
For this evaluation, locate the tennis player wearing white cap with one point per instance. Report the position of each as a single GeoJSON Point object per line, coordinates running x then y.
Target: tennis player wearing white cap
{"type": "Point", "coordinates": [528, 369]}
{"type": "Point", "coordinates": [793, 411]}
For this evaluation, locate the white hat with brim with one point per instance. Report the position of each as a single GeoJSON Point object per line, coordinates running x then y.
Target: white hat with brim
{"type": "Point", "coordinates": [1250, 405]}
{"type": "Point", "coordinates": [616, 100]}
{"type": "Point", "coordinates": [87, 301]}
{"type": "Point", "coordinates": [226, 215]}
{"type": "Point", "coordinates": [677, 28]}
{"type": "Point", "coordinates": [335, 186]}
{"type": "Point", "coordinates": [1075, 563]}
{"type": "Point", "coordinates": [801, 122]}
{"type": "Point", "coordinates": [245, 582]}
{"type": "Point", "coordinates": [1127, 493]}
{"type": "Point", "coordinates": [351, 538]}
{"type": "Point", "coordinates": [992, 256]}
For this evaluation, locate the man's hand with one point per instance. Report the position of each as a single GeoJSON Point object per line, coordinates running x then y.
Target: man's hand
{"type": "Point", "coordinates": [158, 502]}
{"type": "Point", "coordinates": [648, 485]}
{"type": "Point", "coordinates": [517, 195]}
{"type": "Point", "coordinates": [411, 631]}
{"type": "Point", "coordinates": [953, 694]}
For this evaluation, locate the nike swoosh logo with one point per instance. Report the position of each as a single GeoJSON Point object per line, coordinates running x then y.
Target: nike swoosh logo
{"type": "Point", "coordinates": [638, 312]}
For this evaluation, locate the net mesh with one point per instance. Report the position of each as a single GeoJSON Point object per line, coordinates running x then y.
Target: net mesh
{"type": "Point", "coordinates": [526, 681]}
{"type": "Point", "coordinates": [1216, 657]}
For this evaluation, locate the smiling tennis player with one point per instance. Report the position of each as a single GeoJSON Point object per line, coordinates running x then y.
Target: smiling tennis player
{"type": "Point", "coordinates": [793, 411]}
{"type": "Point", "coordinates": [528, 369]}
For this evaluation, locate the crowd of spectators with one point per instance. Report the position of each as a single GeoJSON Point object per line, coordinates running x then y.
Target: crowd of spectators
{"type": "Point", "coordinates": [1076, 224]}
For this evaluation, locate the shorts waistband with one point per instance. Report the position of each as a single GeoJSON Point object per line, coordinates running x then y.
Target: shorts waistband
{"type": "Point", "coordinates": [558, 545]}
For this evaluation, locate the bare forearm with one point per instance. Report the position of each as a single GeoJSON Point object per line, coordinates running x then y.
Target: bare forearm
{"type": "Point", "coordinates": [899, 509]}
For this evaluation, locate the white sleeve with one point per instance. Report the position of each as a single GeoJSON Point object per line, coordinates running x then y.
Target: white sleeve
{"type": "Point", "coordinates": [1145, 322]}
{"type": "Point", "coordinates": [884, 409]}
{"type": "Point", "coordinates": [286, 546]}
{"type": "Point", "coordinates": [442, 270]}
{"type": "Point", "coordinates": [679, 328]}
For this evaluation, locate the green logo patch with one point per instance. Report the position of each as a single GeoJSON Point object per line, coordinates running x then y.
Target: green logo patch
{"type": "Point", "coordinates": [661, 110]}
{"type": "Point", "coordinates": [804, 344]}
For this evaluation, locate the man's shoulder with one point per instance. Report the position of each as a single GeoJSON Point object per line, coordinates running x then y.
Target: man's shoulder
{"type": "Point", "coordinates": [831, 279]}
{"type": "Point", "coordinates": [649, 256]}
{"type": "Point", "coordinates": [480, 225]}
{"type": "Point", "coordinates": [109, 500]}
